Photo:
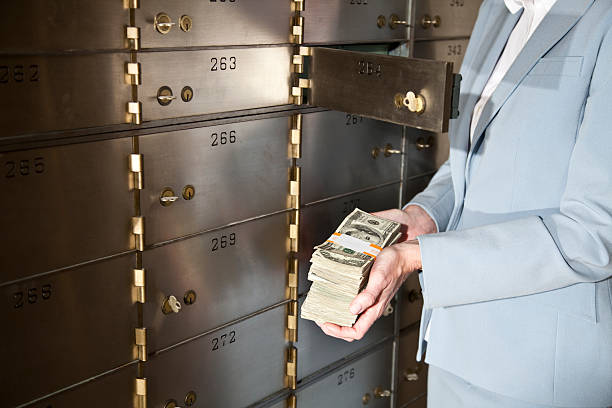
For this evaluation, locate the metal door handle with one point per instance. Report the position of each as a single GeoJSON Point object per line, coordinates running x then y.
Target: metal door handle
{"type": "Point", "coordinates": [171, 305]}
{"type": "Point", "coordinates": [410, 376]}
{"type": "Point", "coordinates": [427, 21]}
{"type": "Point", "coordinates": [389, 150]}
{"type": "Point", "coordinates": [395, 21]}
{"type": "Point", "coordinates": [166, 98]}
{"type": "Point", "coordinates": [422, 144]}
{"type": "Point", "coordinates": [380, 393]}
{"type": "Point", "coordinates": [163, 23]}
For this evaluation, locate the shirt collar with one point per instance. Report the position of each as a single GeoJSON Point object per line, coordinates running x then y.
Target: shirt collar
{"type": "Point", "coordinates": [514, 5]}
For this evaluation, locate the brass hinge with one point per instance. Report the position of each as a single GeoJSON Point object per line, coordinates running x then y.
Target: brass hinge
{"type": "Point", "coordinates": [141, 393]}
{"type": "Point", "coordinates": [138, 231]}
{"type": "Point", "coordinates": [139, 285]}
{"type": "Point", "coordinates": [295, 137]}
{"type": "Point", "coordinates": [132, 71]}
{"type": "Point", "coordinates": [292, 279]}
{"type": "Point", "coordinates": [134, 4]}
{"type": "Point", "coordinates": [134, 113]}
{"type": "Point", "coordinates": [292, 401]}
{"type": "Point", "coordinates": [136, 169]}
{"type": "Point", "coordinates": [297, 91]}
{"type": "Point", "coordinates": [292, 321]}
{"type": "Point", "coordinates": [141, 343]}
{"type": "Point", "coordinates": [295, 187]}
{"type": "Point", "coordinates": [294, 231]}
{"type": "Point", "coordinates": [297, 30]}
{"type": "Point", "coordinates": [292, 368]}
{"type": "Point", "coordinates": [297, 5]}
{"type": "Point", "coordinates": [133, 37]}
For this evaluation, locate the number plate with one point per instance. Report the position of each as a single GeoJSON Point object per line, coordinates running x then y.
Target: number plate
{"type": "Point", "coordinates": [113, 390]}
{"type": "Point", "coordinates": [412, 374]}
{"type": "Point", "coordinates": [347, 386]}
{"type": "Point", "coordinates": [66, 205]}
{"type": "Point", "coordinates": [457, 18]}
{"type": "Point", "coordinates": [442, 50]}
{"type": "Point", "coordinates": [319, 221]}
{"type": "Point", "coordinates": [66, 327]}
{"type": "Point", "coordinates": [238, 171]}
{"type": "Point", "coordinates": [251, 353]}
{"type": "Point", "coordinates": [222, 80]}
{"type": "Point", "coordinates": [316, 350]}
{"type": "Point", "coordinates": [47, 93]}
{"type": "Point", "coordinates": [233, 272]}
{"type": "Point", "coordinates": [370, 85]}
{"type": "Point", "coordinates": [59, 25]}
{"type": "Point", "coordinates": [353, 21]}
{"type": "Point", "coordinates": [216, 23]}
{"type": "Point", "coordinates": [343, 153]}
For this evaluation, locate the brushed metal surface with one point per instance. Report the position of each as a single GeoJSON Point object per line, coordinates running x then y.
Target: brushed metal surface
{"type": "Point", "coordinates": [422, 151]}
{"type": "Point", "coordinates": [64, 205]}
{"type": "Point", "coordinates": [66, 327]}
{"type": "Point", "coordinates": [411, 385]}
{"type": "Point", "coordinates": [442, 50]}
{"type": "Point", "coordinates": [339, 390]}
{"type": "Point", "coordinates": [318, 221]}
{"type": "Point", "coordinates": [337, 154]}
{"type": "Point", "coordinates": [413, 186]}
{"type": "Point", "coordinates": [411, 303]}
{"type": "Point", "coordinates": [457, 17]}
{"type": "Point", "coordinates": [419, 403]}
{"type": "Point", "coordinates": [317, 350]}
{"type": "Point", "coordinates": [256, 360]}
{"type": "Point", "coordinates": [45, 93]}
{"type": "Point", "coordinates": [111, 390]}
{"type": "Point", "coordinates": [353, 21]}
{"type": "Point", "coordinates": [216, 23]}
{"type": "Point", "coordinates": [261, 78]}
{"type": "Point", "coordinates": [230, 281]}
{"type": "Point", "coordinates": [62, 25]}
{"type": "Point", "coordinates": [232, 182]}
{"type": "Point", "coordinates": [367, 84]}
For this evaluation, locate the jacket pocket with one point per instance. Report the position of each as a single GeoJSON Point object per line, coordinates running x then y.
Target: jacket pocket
{"type": "Point", "coordinates": [558, 66]}
{"type": "Point", "coordinates": [577, 300]}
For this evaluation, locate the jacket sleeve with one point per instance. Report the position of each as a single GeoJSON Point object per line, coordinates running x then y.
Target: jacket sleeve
{"type": "Point", "coordinates": [538, 253]}
{"type": "Point", "coordinates": [438, 199]}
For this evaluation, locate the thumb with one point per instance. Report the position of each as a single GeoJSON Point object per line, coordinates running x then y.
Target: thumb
{"type": "Point", "coordinates": [364, 300]}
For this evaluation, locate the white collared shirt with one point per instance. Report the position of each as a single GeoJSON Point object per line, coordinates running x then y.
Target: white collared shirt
{"type": "Point", "coordinates": [535, 11]}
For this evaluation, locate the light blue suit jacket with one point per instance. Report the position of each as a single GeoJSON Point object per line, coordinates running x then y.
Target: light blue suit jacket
{"type": "Point", "coordinates": [519, 284]}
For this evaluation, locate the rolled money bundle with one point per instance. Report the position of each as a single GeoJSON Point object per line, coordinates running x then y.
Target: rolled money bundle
{"type": "Point", "coordinates": [340, 266]}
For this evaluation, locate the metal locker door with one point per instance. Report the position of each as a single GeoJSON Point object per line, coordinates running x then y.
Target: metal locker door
{"type": "Point", "coordinates": [354, 21]}
{"type": "Point", "coordinates": [316, 350]}
{"type": "Point", "coordinates": [213, 23]}
{"type": "Point", "coordinates": [445, 18]}
{"type": "Point", "coordinates": [319, 220]}
{"type": "Point", "coordinates": [226, 166]}
{"type": "Point", "coordinates": [66, 197]}
{"type": "Point", "coordinates": [412, 373]}
{"type": "Point", "coordinates": [235, 366]}
{"type": "Point", "coordinates": [343, 153]}
{"type": "Point", "coordinates": [443, 50]}
{"type": "Point", "coordinates": [360, 382]}
{"type": "Point", "coordinates": [217, 277]}
{"type": "Point", "coordinates": [60, 92]}
{"type": "Point", "coordinates": [66, 327]}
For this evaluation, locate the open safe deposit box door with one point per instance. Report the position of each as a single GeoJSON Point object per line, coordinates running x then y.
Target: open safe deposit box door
{"type": "Point", "coordinates": [412, 92]}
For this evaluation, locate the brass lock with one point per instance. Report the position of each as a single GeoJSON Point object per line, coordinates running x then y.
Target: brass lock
{"type": "Point", "coordinates": [381, 21]}
{"type": "Point", "coordinates": [426, 21]}
{"type": "Point", "coordinates": [413, 296]}
{"type": "Point", "coordinates": [171, 305]}
{"type": "Point", "coordinates": [413, 374]}
{"type": "Point", "coordinates": [163, 23]}
{"type": "Point", "coordinates": [185, 22]}
{"type": "Point", "coordinates": [190, 297]}
{"type": "Point", "coordinates": [388, 310]}
{"type": "Point", "coordinates": [395, 21]}
{"type": "Point", "coordinates": [188, 192]}
{"type": "Point", "coordinates": [415, 103]}
{"type": "Point", "coordinates": [167, 197]}
{"type": "Point", "coordinates": [381, 393]}
{"type": "Point", "coordinates": [366, 399]}
{"type": "Point", "coordinates": [171, 404]}
{"type": "Point", "coordinates": [190, 398]}
{"type": "Point", "coordinates": [422, 143]}
{"type": "Point", "coordinates": [165, 96]}
{"type": "Point", "coordinates": [187, 94]}
{"type": "Point", "coordinates": [389, 150]}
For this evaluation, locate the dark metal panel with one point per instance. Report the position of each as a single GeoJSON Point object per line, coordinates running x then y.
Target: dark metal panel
{"type": "Point", "coordinates": [232, 273]}
{"type": "Point", "coordinates": [243, 177]}
{"type": "Point", "coordinates": [221, 80]}
{"type": "Point", "coordinates": [317, 222]}
{"type": "Point", "coordinates": [343, 153]}
{"type": "Point", "coordinates": [64, 205]}
{"type": "Point", "coordinates": [317, 350]}
{"type": "Point", "coordinates": [412, 374]}
{"type": "Point", "coordinates": [419, 403]}
{"type": "Point", "coordinates": [63, 25]}
{"type": "Point", "coordinates": [354, 21]}
{"type": "Point", "coordinates": [411, 303]}
{"type": "Point", "coordinates": [66, 327]}
{"type": "Point", "coordinates": [250, 353]}
{"type": "Point", "coordinates": [116, 389]}
{"type": "Point", "coordinates": [442, 50]}
{"type": "Point", "coordinates": [215, 23]}
{"type": "Point", "coordinates": [422, 151]}
{"type": "Point", "coordinates": [413, 186]}
{"type": "Point", "coordinates": [370, 85]}
{"type": "Point", "coordinates": [456, 18]}
{"type": "Point", "coordinates": [46, 93]}
{"type": "Point", "coordinates": [353, 384]}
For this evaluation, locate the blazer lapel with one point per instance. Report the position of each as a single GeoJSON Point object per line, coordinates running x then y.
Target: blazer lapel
{"type": "Point", "coordinates": [561, 18]}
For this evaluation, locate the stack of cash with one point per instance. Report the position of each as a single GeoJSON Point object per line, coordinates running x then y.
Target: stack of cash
{"type": "Point", "coordinates": [341, 266]}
